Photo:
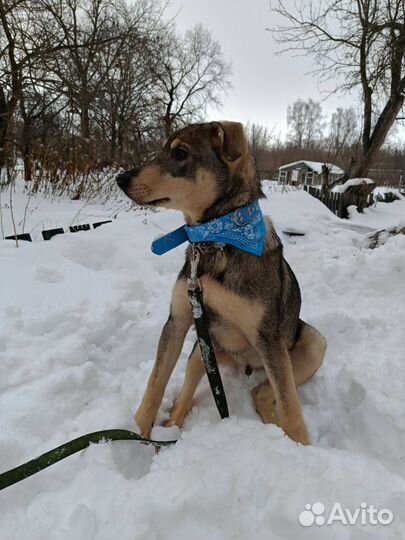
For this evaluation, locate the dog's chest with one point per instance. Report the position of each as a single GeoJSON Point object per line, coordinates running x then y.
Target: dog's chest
{"type": "Point", "coordinates": [228, 338]}
{"type": "Point", "coordinates": [225, 335]}
{"type": "Point", "coordinates": [234, 321]}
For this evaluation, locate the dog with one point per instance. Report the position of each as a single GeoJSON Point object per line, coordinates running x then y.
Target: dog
{"type": "Point", "coordinates": [252, 302]}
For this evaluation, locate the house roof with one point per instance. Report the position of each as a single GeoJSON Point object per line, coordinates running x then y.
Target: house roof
{"type": "Point", "coordinates": [315, 166]}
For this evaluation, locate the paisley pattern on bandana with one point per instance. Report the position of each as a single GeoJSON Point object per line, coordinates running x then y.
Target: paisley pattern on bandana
{"type": "Point", "coordinates": [243, 228]}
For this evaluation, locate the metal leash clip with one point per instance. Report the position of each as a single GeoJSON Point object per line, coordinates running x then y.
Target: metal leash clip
{"type": "Point", "coordinates": [195, 259]}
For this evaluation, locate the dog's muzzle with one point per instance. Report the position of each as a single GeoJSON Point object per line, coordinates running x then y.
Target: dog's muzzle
{"type": "Point", "coordinates": [124, 178]}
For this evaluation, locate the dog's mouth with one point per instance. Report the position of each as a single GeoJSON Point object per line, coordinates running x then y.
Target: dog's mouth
{"type": "Point", "coordinates": [157, 202]}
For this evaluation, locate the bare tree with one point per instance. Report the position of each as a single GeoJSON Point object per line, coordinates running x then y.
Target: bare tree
{"type": "Point", "coordinates": [88, 83]}
{"type": "Point", "coordinates": [304, 120]}
{"type": "Point", "coordinates": [343, 128]}
{"type": "Point", "coordinates": [125, 108]}
{"type": "Point", "coordinates": [23, 41]}
{"type": "Point", "coordinates": [343, 140]}
{"type": "Point", "coordinates": [36, 107]}
{"type": "Point", "coordinates": [39, 34]}
{"type": "Point", "coordinates": [261, 144]}
{"type": "Point", "coordinates": [356, 44]}
{"type": "Point", "coordinates": [191, 74]}
{"type": "Point", "coordinates": [87, 27]}
{"type": "Point", "coordinates": [259, 137]}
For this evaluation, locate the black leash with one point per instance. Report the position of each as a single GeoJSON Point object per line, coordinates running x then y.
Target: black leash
{"type": "Point", "coordinates": [36, 465]}
{"type": "Point", "coordinates": [204, 340]}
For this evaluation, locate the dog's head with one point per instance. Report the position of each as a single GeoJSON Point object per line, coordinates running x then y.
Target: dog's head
{"type": "Point", "coordinates": [204, 170]}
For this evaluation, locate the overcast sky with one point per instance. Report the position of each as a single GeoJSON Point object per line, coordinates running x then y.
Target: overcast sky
{"type": "Point", "coordinates": [264, 84]}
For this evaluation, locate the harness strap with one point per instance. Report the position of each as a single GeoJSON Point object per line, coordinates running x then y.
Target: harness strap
{"type": "Point", "coordinates": [204, 340]}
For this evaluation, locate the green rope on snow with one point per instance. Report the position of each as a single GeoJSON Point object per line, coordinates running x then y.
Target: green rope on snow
{"type": "Point", "coordinates": [36, 465]}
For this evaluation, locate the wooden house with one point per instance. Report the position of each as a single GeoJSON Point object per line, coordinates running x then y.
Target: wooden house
{"type": "Point", "coordinates": [307, 172]}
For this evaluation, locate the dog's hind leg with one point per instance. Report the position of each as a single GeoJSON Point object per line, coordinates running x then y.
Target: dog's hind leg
{"type": "Point", "coordinates": [169, 348]}
{"type": "Point", "coordinates": [306, 358]}
{"type": "Point", "coordinates": [308, 353]}
{"type": "Point", "coordinates": [265, 400]}
{"type": "Point", "coordinates": [277, 364]}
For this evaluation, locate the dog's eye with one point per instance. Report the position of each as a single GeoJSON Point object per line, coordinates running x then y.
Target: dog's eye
{"type": "Point", "coordinates": [180, 154]}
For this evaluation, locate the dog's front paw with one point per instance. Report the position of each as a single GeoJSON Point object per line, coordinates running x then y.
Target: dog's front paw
{"type": "Point", "coordinates": [299, 434]}
{"type": "Point", "coordinates": [144, 424]}
{"type": "Point", "coordinates": [176, 419]}
{"type": "Point", "coordinates": [179, 412]}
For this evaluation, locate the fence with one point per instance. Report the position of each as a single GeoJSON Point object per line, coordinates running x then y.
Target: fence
{"type": "Point", "coordinates": [388, 177]}
{"type": "Point", "coordinates": [338, 203]}
{"type": "Point", "coordinates": [50, 233]}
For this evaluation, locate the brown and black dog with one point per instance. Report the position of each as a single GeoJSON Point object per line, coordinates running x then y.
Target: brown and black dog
{"type": "Point", "coordinates": [252, 302]}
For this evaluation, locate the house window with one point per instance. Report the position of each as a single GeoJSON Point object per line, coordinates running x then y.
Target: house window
{"type": "Point", "coordinates": [309, 179]}
{"type": "Point", "coordinates": [283, 176]}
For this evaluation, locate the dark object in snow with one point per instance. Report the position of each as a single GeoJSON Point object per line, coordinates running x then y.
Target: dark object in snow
{"type": "Point", "coordinates": [63, 451]}
{"type": "Point", "coordinates": [23, 236]}
{"type": "Point", "coordinates": [47, 235]}
{"type": "Point", "coordinates": [77, 228]}
{"type": "Point", "coordinates": [293, 232]}
{"type": "Point", "coordinates": [387, 197]}
{"type": "Point", "coordinates": [379, 238]}
{"type": "Point", "coordinates": [99, 223]}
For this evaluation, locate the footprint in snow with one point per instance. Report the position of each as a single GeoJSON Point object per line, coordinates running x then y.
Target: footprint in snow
{"type": "Point", "coordinates": [46, 274]}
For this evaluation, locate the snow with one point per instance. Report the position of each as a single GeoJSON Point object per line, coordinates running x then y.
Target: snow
{"type": "Point", "coordinates": [34, 213]}
{"type": "Point", "coordinates": [380, 215]}
{"type": "Point", "coordinates": [315, 166]}
{"type": "Point", "coordinates": [80, 317]}
{"type": "Point", "coordinates": [352, 182]}
{"type": "Point", "coordinates": [381, 190]}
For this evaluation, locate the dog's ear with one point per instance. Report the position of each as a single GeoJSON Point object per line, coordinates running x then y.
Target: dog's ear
{"type": "Point", "coordinates": [229, 142]}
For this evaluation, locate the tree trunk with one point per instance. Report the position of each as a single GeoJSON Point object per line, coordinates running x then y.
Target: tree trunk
{"type": "Point", "coordinates": [4, 121]}
{"type": "Point", "coordinates": [382, 127]}
{"type": "Point", "coordinates": [84, 121]}
{"type": "Point", "coordinates": [113, 148]}
{"type": "Point", "coordinates": [168, 117]}
{"type": "Point", "coordinates": [121, 142]}
{"type": "Point", "coordinates": [325, 179]}
{"type": "Point", "coordinates": [3, 140]}
{"type": "Point", "coordinates": [27, 147]}
{"type": "Point", "coordinates": [168, 123]}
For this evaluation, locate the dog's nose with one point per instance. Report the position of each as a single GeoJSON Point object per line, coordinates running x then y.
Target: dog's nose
{"type": "Point", "coordinates": [124, 178]}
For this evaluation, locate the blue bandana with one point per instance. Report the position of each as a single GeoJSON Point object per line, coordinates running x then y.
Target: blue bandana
{"type": "Point", "coordinates": [243, 228]}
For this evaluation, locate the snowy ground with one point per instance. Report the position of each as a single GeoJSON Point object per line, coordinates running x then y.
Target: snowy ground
{"type": "Point", "coordinates": [80, 317]}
